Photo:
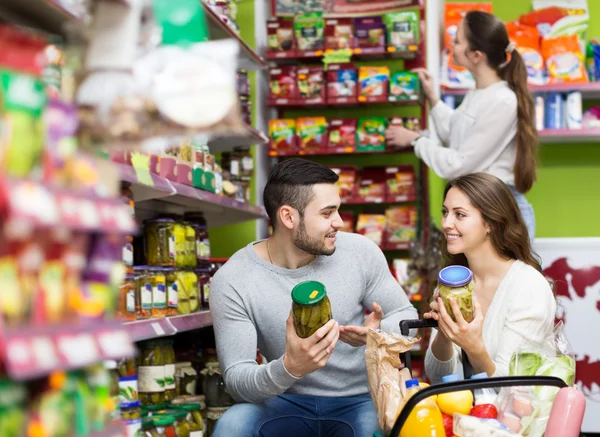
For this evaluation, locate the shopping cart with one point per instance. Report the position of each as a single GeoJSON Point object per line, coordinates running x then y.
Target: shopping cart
{"type": "Point", "coordinates": [467, 384]}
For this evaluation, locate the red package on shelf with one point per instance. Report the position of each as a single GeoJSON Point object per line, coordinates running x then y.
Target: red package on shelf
{"type": "Point", "coordinates": [283, 87]}
{"type": "Point", "coordinates": [311, 133]}
{"type": "Point", "coordinates": [21, 51]}
{"type": "Point", "coordinates": [339, 34]}
{"type": "Point", "coordinates": [400, 181]}
{"type": "Point", "coordinates": [349, 221]}
{"type": "Point", "coordinates": [342, 134]}
{"type": "Point", "coordinates": [372, 187]}
{"type": "Point", "coordinates": [347, 183]}
{"type": "Point", "coordinates": [342, 83]}
{"type": "Point", "coordinates": [280, 37]}
{"type": "Point", "coordinates": [311, 85]}
{"type": "Point", "coordinates": [401, 224]}
{"type": "Point", "coordinates": [282, 134]}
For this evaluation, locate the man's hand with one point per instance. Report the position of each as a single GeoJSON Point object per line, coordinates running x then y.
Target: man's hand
{"type": "Point", "coordinates": [304, 356]}
{"type": "Point", "coordinates": [357, 335]}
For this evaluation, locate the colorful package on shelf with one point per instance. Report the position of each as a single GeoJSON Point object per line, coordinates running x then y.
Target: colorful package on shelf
{"type": "Point", "coordinates": [403, 30]}
{"type": "Point", "coordinates": [411, 283]}
{"type": "Point", "coordinates": [373, 84]}
{"type": "Point", "coordinates": [371, 226]}
{"type": "Point", "coordinates": [410, 123]}
{"type": "Point", "coordinates": [282, 133]}
{"type": "Point", "coordinates": [280, 36]}
{"type": "Point", "coordinates": [349, 221]}
{"type": "Point", "coordinates": [527, 42]}
{"type": "Point", "coordinates": [401, 224]}
{"type": "Point", "coordinates": [404, 85]}
{"type": "Point", "coordinates": [555, 18]}
{"type": "Point", "coordinates": [185, 159]}
{"type": "Point", "coordinates": [370, 34]}
{"type": "Point", "coordinates": [342, 134]}
{"type": "Point", "coordinates": [60, 121]}
{"type": "Point", "coordinates": [400, 183]}
{"type": "Point", "coordinates": [564, 59]}
{"type": "Point", "coordinates": [342, 83]}
{"type": "Point", "coordinates": [339, 34]}
{"type": "Point", "coordinates": [370, 134]}
{"type": "Point", "coordinates": [593, 60]}
{"type": "Point", "coordinates": [347, 182]}
{"type": "Point", "coordinates": [372, 186]}
{"type": "Point", "coordinates": [311, 85]}
{"type": "Point", "coordinates": [309, 29]}
{"type": "Point", "coordinates": [311, 133]}
{"type": "Point", "coordinates": [283, 87]}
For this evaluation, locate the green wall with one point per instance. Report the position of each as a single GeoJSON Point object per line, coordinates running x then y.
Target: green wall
{"type": "Point", "coordinates": [566, 197]}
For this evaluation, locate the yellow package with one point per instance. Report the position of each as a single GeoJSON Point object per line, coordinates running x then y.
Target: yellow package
{"type": "Point", "coordinates": [373, 81]}
{"type": "Point", "coordinates": [564, 60]}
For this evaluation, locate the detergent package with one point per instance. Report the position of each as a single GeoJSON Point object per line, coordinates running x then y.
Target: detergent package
{"type": "Point", "coordinates": [564, 59]}
{"type": "Point", "coordinates": [527, 42]}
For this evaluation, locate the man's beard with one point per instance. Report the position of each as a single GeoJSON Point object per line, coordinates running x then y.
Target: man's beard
{"type": "Point", "coordinates": [310, 245]}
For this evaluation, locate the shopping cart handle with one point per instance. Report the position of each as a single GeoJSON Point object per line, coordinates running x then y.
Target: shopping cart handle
{"type": "Point", "coordinates": [407, 325]}
{"type": "Point", "coordinates": [471, 384]}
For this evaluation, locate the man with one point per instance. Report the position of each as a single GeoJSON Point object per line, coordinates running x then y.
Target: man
{"type": "Point", "coordinates": [315, 386]}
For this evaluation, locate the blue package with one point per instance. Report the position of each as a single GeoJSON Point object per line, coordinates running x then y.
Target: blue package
{"type": "Point", "coordinates": [596, 54]}
{"type": "Point", "coordinates": [554, 111]}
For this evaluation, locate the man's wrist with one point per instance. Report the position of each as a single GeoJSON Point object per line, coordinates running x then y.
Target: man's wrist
{"type": "Point", "coordinates": [288, 367]}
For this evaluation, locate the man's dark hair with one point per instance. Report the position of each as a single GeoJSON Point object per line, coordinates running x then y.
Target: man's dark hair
{"type": "Point", "coordinates": [290, 183]}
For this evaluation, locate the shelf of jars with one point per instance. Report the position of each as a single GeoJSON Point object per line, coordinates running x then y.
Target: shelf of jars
{"type": "Point", "coordinates": [163, 327]}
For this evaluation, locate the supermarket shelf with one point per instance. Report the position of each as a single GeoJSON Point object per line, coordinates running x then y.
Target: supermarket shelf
{"type": "Point", "coordinates": [343, 103]}
{"type": "Point", "coordinates": [48, 15]}
{"type": "Point", "coordinates": [367, 201]}
{"type": "Point", "coordinates": [167, 326]}
{"type": "Point", "coordinates": [34, 351]}
{"type": "Point", "coordinates": [550, 136]}
{"type": "Point", "coordinates": [364, 54]}
{"type": "Point", "coordinates": [218, 210]}
{"type": "Point", "coordinates": [112, 430]}
{"type": "Point", "coordinates": [340, 151]}
{"type": "Point", "coordinates": [589, 90]}
{"type": "Point", "coordinates": [227, 141]}
{"type": "Point", "coordinates": [389, 247]}
{"type": "Point", "coordinates": [248, 58]}
{"type": "Point", "coordinates": [44, 206]}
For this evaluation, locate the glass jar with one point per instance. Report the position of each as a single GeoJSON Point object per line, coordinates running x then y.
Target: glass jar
{"type": "Point", "coordinates": [153, 410]}
{"type": "Point", "coordinates": [160, 241]}
{"type": "Point", "coordinates": [213, 415]}
{"type": "Point", "coordinates": [182, 426]}
{"type": "Point", "coordinates": [194, 418]}
{"type": "Point", "coordinates": [204, 287]}
{"type": "Point", "coordinates": [246, 162]}
{"type": "Point", "coordinates": [310, 307]}
{"type": "Point", "coordinates": [172, 295]}
{"type": "Point", "coordinates": [187, 287]}
{"type": "Point", "coordinates": [213, 386]}
{"type": "Point", "coordinates": [126, 305]}
{"type": "Point", "coordinates": [143, 294]}
{"type": "Point", "coordinates": [198, 222]}
{"type": "Point", "coordinates": [164, 426]}
{"type": "Point", "coordinates": [186, 378]}
{"type": "Point", "coordinates": [179, 237]}
{"type": "Point", "coordinates": [126, 367]}
{"type": "Point", "coordinates": [190, 241]}
{"type": "Point", "coordinates": [151, 374]}
{"type": "Point", "coordinates": [456, 282]}
{"type": "Point", "coordinates": [183, 296]}
{"type": "Point", "coordinates": [169, 358]}
{"type": "Point", "coordinates": [128, 390]}
{"type": "Point", "coordinates": [156, 278]}
{"type": "Point", "coordinates": [131, 415]}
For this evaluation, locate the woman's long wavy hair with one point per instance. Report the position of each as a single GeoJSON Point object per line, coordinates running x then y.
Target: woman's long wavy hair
{"type": "Point", "coordinates": [499, 210]}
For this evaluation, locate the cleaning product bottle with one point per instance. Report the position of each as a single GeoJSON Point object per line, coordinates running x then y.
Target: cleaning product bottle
{"type": "Point", "coordinates": [455, 402]}
{"type": "Point", "coordinates": [484, 401]}
{"type": "Point", "coordinates": [425, 420]}
{"type": "Point", "coordinates": [566, 414]}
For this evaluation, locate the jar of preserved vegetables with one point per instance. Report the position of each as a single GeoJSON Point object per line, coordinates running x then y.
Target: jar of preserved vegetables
{"type": "Point", "coordinates": [198, 222]}
{"type": "Point", "coordinates": [194, 418]}
{"type": "Point", "coordinates": [128, 390]}
{"type": "Point", "coordinates": [172, 291]}
{"type": "Point", "coordinates": [126, 304]}
{"type": "Point", "coordinates": [186, 378]}
{"type": "Point", "coordinates": [151, 374]}
{"type": "Point", "coordinates": [213, 415]}
{"type": "Point", "coordinates": [179, 235]}
{"type": "Point", "coordinates": [143, 294]}
{"type": "Point", "coordinates": [169, 357]}
{"type": "Point", "coordinates": [456, 282]}
{"type": "Point", "coordinates": [152, 410]}
{"type": "Point", "coordinates": [213, 386]}
{"type": "Point", "coordinates": [187, 288]}
{"type": "Point", "coordinates": [311, 308]}
{"type": "Point", "coordinates": [204, 287]}
{"type": "Point", "coordinates": [182, 427]}
{"type": "Point", "coordinates": [131, 415]}
{"type": "Point", "coordinates": [156, 278]}
{"type": "Point", "coordinates": [164, 426]}
{"type": "Point", "coordinates": [160, 241]}
{"type": "Point", "coordinates": [190, 241]}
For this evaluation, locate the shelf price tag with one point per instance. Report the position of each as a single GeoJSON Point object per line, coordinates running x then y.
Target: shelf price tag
{"type": "Point", "coordinates": [141, 165]}
{"type": "Point", "coordinates": [115, 344]}
{"type": "Point", "coordinates": [78, 350]}
{"type": "Point", "coordinates": [44, 353]}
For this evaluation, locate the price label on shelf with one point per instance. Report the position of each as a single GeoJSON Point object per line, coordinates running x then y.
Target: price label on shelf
{"type": "Point", "coordinates": [44, 353]}
{"type": "Point", "coordinates": [88, 214]}
{"type": "Point", "coordinates": [158, 329]}
{"type": "Point", "coordinates": [18, 353]}
{"type": "Point", "coordinates": [78, 350]}
{"type": "Point", "coordinates": [115, 344]}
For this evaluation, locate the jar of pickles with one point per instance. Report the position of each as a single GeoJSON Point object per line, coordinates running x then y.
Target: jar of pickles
{"type": "Point", "coordinates": [190, 244]}
{"type": "Point", "coordinates": [159, 426]}
{"type": "Point", "coordinates": [196, 399]}
{"type": "Point", "coordinates": [160, 241]}
{"type": "Point", "coordinates": [198, 222]}
{"type": "Point", "coordinates": [213, 415]}
{"type": "Point", "coordinates": [143, 294]}
{"type": "Point", "coordinates": [187, 288]}
{"type": "Point", "coordinates": [185, 378]}
{"type": "Point", "coordinates": [169, 359]}
{"type": "Point", "coordinates": [151, 374]}
{"type": "Point", "coordinates": [172, 291]}
{"type": "Point", "coordinates": [156, 277]}
{"type": "Point", "coordinates": [126, 304]}
{"type": "Point", "coordinates": [310, 307]}
{"type": "Point", "coordinates": [213, 386]}
{"type": "Point", "coordinates": [194, 418]}
{"type": "Point", "coordinates": [182, 427]}
{"type": "Point", "coordinates": [204, 287]}
{"type": "Point", "coordinates": [153, 410]}
{"type": "Point", "coordinates": [131, 415]}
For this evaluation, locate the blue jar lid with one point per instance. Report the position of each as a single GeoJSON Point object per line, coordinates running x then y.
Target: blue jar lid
{"type": "Point", "coordinates": [480, 376]}
{"type": "Point", "coordinates": [412, 383]}
{"type": "Point", "coordinates": [451, 378]}
{"type": "Point", "coordinates": [455, 276]}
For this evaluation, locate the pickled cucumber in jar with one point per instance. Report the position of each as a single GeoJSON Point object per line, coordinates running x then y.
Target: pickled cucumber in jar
{"type": "Point", "coordinates": [193, 417]}
{"type": "Point", "coordinates": [456, 282]}
{"type": "Point", "coordinates": [310, 307]}
{"type": "Point", "coordinates": [169, 357]}
{"type": "Point", "coordinates": [190, 239]}
{"type": "Point", "coordinates": [160, 241]}
{"type": "Point", "coordinates": [151, 374]}
{"type": "Point", "coordinates": [182, 427]}
{"type": "Point", "coordinates": [179, 236]}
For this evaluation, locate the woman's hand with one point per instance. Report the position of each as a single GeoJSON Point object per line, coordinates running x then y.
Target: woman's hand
{"type": "Point", "coordinates": [399, 136]}
{"type": "Point", "coordinates": [427, 85]}
{"type": "Point", "coordinates": [467, 336]}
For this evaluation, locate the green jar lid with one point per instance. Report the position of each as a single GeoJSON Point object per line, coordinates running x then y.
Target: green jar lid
{"type": "Point", "coordinates": [308, 293]}
{"type": "Point", "coordinates": [188, 407]}
{"type": "Point", "coordinates": [154, 408]}
{"type": "Point", "coordinates": [176, 413]}
{"type": "Point", "coordinates": [147, 422]}
{"type": "Point", "coordinates": [161, 420]}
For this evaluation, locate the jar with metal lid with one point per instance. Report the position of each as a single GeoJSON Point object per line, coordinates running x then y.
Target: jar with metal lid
{"type": "Point", "coordinates": [151, 374]}
{"type": "Point", "coordinates": [182, 426]}
{"type": "Point", "coordinates": [126, 305]}
{"type": "Point", "coordinates": [143, 294]}
{"type": "Point", "coordinates": [311, 308]}
{"type": "Point", "coordinates": [172, 292]}
{"type": "Point", "coordinates": [213, 415]}
{"type": "Point", "coordinates": [169, 359]}
{"type": "Point", "coordinates": [160, 241]}
{"type": "Point", "coordinates": [131, 415]}
{"type": "Point", "coordinates": [156, 277]}
{"type": "Point", "coordinates": [213, 386]}
{"type": "Point", "coordinates": [456, 282]}
{"type": "Point", "coordinates": [190, 243]}
{"type": "Point", "coordinates": [194, 418]}
{"type": "Point", "coordinates": [153, 410]}
{"type": "Point", "coordinates": [186, 378]}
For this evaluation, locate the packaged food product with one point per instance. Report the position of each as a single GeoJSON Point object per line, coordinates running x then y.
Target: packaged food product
{"type": "Point", "coordinates": [186, 378]}
{"type": "Point", "coordinates": [342, 134]}
{"type": "Point", "coordinates": [373, 84]}
{"type": "Point", "coordinates": [371, 226]}
{"type": "Point", "coordinates": [309, 29]}
{"type": "Point", "coordinates": [169, 359]}
{"type": "Point", "coordinates": [151, 374]}
{"type": "Point", "coordinates": [160, 241]}
{"type": "Point", "coordinates": [156, 278]}
{"type": "Point", "coordinates": [401, 224]}
{"type": "Point", "coordinates": [349, 221]}
{"type": "Point", "coordinates": [204, 280]}
{"type": "Point", "coordinates": [564, 59]}
{"type": "Point", "coordinates": [372, 184]}
{"type": "Point", "coordinates": [181, 425]}
{"type": "Point", "coordinates": [128, 390]}
{"type": "Point", "coordinates": [425, 419]}
{"type": "Point", "coordinates": [131, 415]}
{"type": "Point", "coordinates": [163, 426]}
{"type": "Point", "coordinates": [370, 134]}
{"type": "Point", "coordinates": [283, 135]}
{"type": "Point", "coordinates": [190, 245]}
{"type": "Point", "coordinates": [193, 416]}
{"type": "Point", "coordinates": [311, 85]}
{"type": "Point", "coordinates": [556, 18]}
{"type": "Point", "coordinates": [126, 305]}
{"type": "Point", "coordinates": [456, 282]}
{"type": "Point", "coordinates": [517, 407]}
{"type": "Point", "coordinates": [342, 83]}
{"type": "Point", "coordinates": [312, 133]}
{"type": "Point", "coordinates": [339, 34]}
{"type": "Point", "coordinates": [527, 41]}
{"type": "Point", "coordinates": [404, 85]}
{"type": "Point", "coordinates": [370, 34]}
{"type": "Point", "coordinates": [403, 30]}
{"type": "Point", "coordinates": [400, 183]}
{"type": "Point", "coordinates": [280, 35]}
{"type": "Point", "coordinates": [310, 307]}
{"type": "Point", "coordinates": [347, 182]}
{"type": "Point", "coordinates": [283, 87]}
{"type": "Point", "coordinates": [469, 426]}
{"type": "Point", "coordinates": [188, 293]}
{"type": "Point", "coordinates": [143, 294]}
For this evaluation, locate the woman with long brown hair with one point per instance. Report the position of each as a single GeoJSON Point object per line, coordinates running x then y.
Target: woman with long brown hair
{"type": "Point", "coordinates": [493, 130]}
{"type": "Point", "coordinates": [513, 301]}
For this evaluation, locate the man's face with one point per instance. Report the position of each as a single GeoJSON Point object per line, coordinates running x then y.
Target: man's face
{"type": "Point", "coordinates": [316, 232]}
